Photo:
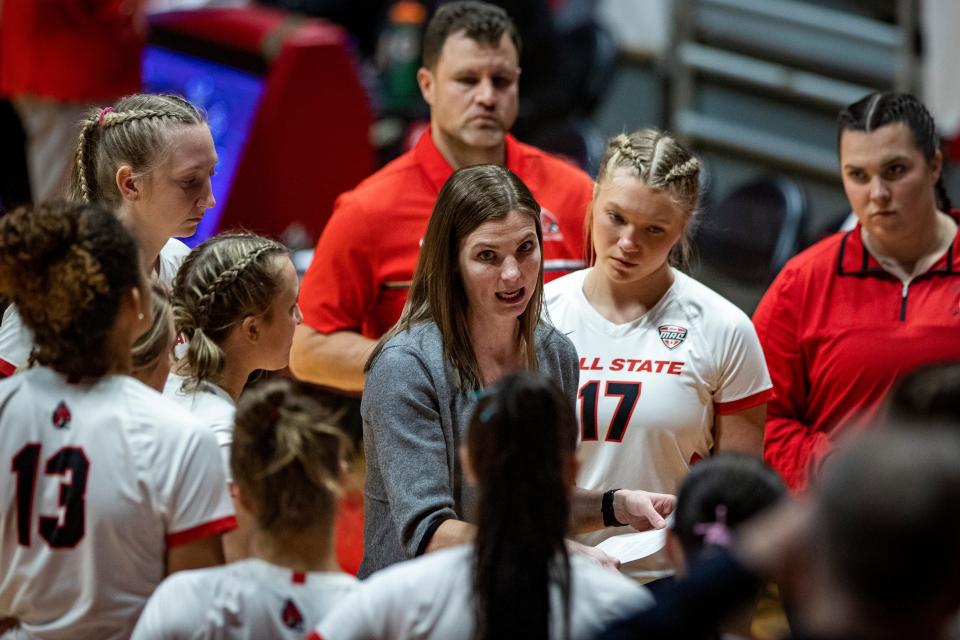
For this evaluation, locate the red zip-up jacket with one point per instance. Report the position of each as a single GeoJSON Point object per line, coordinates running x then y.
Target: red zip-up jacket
{"type": "Point", "coordinates": [837, 331]}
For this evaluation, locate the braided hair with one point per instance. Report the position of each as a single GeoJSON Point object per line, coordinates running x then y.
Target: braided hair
{"type": "Point", "coordinates": [222, 281]}
{"type": "Point", "coordinates": [134, 131]}
{"type": "Point", "coordinates": [887, 107]}
{"type": "Point", "coordinates": [662, 163]}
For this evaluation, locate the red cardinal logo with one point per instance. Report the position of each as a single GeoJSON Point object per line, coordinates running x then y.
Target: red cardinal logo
{"type": "Point", "coordinates": [291, 615]}
{"type": "Point", "coordinates": [61, 416]}
{"type": "Point", "coordinates": [550, 226]}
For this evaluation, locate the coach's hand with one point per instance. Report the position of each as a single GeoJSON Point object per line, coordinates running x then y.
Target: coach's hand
{"type": "Point", "coordinates": [643, 510]}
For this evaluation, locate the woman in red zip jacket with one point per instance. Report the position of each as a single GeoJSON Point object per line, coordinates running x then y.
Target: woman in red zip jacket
{"type": "Point", "coordinates": [845, 318]}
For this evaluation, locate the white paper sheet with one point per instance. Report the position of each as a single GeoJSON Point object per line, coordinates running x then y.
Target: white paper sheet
{"type": "Point", "coordinates": [628, 547]}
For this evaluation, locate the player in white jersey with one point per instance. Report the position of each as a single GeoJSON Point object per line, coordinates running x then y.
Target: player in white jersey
{"type": "Point", "coordinates": [669, 370]}
{"type": "Point", "coordinates": [288, 461]}
{"type": "Point", "coordinates": [516, 579]}
{"type": "Point", "coordinates": [235, 301]}
{"type": "Point", "coordinates": [149, 158]}
{"type": "Point", "coordinates": [109, 486]}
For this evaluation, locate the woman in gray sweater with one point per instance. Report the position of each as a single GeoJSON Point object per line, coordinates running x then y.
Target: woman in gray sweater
{"type": "Point", "coordinates": [473, 315]}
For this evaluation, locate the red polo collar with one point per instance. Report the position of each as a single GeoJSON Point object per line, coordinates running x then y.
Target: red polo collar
{"type": "Point", "coordinates": [437, 169]}
{"type": "Point", "coordinates": [854, 259]}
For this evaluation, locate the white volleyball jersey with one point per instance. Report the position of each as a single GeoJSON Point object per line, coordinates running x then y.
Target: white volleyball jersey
{"type": "Point", "coordinates": [212, 406]}
{"type": "Point", "coordinates": [246, 600]}
{"type": "Point", "coordinates": [432, 597]}
{"type": "Point", "coordinates": [16, 341]}
{"type": "Point", "coordinates": [172, 255]}
{"type": "Point", "coordinates": [101, 479]}
{"type": "Point", "coordinates": [649, 389]}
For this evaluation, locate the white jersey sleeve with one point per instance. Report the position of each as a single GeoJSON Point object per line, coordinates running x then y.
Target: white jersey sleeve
{"type": "Point", "coordinates": [212, 406]}
{"type": "Point", "coordinates": [172, 255]}
{"type": "Point", "coordinates": [173, 612]}
{"type": "Point", "coordinates": [368, 612]}
{"type": "Point", "coordinates": [195, 492]}
{"type": "Point", "coordinates": [16, 341]}
{"type": "Point", "coordinates": [743, 374]}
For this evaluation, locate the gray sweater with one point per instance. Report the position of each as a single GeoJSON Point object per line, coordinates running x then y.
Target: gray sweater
{"type": "Point", "coordinates": [415, 419]}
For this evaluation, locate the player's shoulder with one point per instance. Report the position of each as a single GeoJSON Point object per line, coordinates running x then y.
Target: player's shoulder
{"type": "Point", "coordinates": [240, 574]}
{"type": "Point", "coordinates": [144, 400]}
{"type": "Point", "coordinates": [174, 249]}
{"type": "Point", "coordinates": [15, 339]}
{"type": "Point", "coordinates": [445, 566]}
{"type": "Point", "coordinates": [172, 255]}
{"type": "Point", "coordinates": [564, 289]}
{"type": "Point", "coordinates": [197, 586]}
{"type": "Point", "coordinates": [205, 399]}
{"type": "Point", "coordinates": [604, 595]}
{"type": "Point", "coordinates": [157, 423]}
{"type": "Point", "coordinates": [195, 596]}
{"type": "Point", "coordinates": [12, 386]}
{"type": "Point", "coordinates": [704, 306]}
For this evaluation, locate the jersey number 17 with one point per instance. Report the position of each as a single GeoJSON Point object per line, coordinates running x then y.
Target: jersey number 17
{"type": "Point", "coordinates": [629, 393]}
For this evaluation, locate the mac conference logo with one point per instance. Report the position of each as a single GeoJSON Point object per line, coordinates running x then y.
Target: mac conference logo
{"type": "Point", "coordinates": [671, 335]}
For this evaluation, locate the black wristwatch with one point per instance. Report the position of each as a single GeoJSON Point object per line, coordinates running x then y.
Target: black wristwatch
{"type": "Point", "coordinates": [606, 509]}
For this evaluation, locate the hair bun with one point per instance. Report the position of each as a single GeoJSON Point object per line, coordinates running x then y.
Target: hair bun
{"type": "Point", "coordinates": [39, 237]}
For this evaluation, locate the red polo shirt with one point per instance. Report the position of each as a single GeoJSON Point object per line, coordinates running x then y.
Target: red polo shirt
{"type": "Point", "coordinates": [837, 331]}
{"type": "Point", "coordinates": [367, 254]}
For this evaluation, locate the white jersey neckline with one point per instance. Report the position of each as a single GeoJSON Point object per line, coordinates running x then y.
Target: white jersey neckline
{"type": "Point", "coordinates": [596, 321]}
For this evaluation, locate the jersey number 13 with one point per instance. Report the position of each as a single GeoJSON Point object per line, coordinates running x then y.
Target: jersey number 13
{"type": "Point", "coordinates": [65, 529]}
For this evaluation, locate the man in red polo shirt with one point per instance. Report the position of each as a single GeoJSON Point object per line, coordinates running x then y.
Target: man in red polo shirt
{"type": "Point", "coordinates": [355, 288]}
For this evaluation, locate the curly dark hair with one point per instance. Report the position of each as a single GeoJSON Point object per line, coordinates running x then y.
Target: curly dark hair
{"type": "Point", "coordinates": [67, 265]}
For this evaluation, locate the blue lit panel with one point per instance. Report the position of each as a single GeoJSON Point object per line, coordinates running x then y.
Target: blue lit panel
{"type": "Point", "coordinates": [230, 98]}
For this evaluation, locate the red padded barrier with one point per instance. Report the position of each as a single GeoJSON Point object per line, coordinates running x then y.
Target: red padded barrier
{"type": "Point", "coordinates": [310, 138]}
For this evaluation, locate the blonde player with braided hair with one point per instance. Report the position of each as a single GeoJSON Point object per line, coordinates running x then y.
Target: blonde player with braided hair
{"type": "Point", "coordinates": [235, 301]}
{"type": "Point", "coordinates": [149, 158]}
{"type": "Point", "coordinates": [669, 370]}
{"type": "Point", "coordinates": [288, 460]}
